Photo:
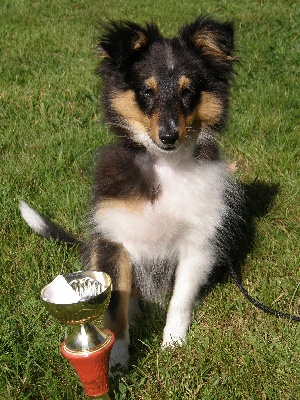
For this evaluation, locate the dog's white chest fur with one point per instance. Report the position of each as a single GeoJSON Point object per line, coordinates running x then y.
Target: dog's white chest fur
{"type": "Point", "coordinates": [187, 211]}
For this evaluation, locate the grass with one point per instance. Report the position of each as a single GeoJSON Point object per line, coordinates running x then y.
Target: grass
{"type": "Point", "coordinates": [49, 135]}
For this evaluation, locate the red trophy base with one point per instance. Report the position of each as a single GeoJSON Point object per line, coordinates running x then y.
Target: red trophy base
{"type": "Point", "coordinates": [91, 365]}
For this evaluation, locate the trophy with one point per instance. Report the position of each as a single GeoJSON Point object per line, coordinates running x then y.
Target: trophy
{"type": "Point", "coordinates": [78, 299]}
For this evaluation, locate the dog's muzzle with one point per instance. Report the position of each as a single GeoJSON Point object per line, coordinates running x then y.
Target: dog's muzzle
{"type": "Point", "coordinates": [169, 139]}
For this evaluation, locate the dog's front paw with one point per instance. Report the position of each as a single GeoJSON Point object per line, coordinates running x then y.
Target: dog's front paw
{"type": "Point", "coordinates": [173, 338]}
{"type": "Point", "coordinates": [119, 357]}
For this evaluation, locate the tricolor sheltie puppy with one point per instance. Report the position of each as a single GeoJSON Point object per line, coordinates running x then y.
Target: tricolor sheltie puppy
{"type": "Point", "coordinates": [164, 209]}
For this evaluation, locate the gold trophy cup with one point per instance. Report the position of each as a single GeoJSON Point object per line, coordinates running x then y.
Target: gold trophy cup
{"type": "Point", "coordinates": [78, 299]}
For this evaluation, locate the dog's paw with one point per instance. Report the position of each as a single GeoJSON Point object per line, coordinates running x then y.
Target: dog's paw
{"type": "Point", "coordinates": [172, 339]}
{"type": "Point", "coordinates": [119, 357]}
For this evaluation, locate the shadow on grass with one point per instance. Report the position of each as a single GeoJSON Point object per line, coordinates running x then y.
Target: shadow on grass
{"type": "Point", "coordinates": [259, 197]}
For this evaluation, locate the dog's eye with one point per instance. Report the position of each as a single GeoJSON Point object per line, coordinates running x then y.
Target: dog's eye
{"type": "Point", "coordinates": [187, 92]}
{"type": "Point", "coordinates": [187, 96]}
{"type": "Point", "coordinates": [148, 92]}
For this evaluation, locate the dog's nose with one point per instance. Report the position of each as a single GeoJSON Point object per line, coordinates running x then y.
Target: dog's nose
{"type": "Point", "coordinates": [169, 138]}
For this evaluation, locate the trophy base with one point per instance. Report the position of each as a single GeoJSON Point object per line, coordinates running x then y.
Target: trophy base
{"type": "Point", "coordinates": [105, 396]}
{"type": "Point", "coordinates": [90, 359]}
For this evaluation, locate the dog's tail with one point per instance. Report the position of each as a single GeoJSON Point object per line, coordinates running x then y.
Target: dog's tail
{"type": "Point", "coordinates": [44, 227]}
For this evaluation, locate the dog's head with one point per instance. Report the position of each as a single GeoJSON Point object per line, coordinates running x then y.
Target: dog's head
{"type": "Point", "coordinates": [160, 91]}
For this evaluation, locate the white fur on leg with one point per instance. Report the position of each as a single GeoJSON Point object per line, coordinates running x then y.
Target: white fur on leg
{"type": "Point", "coordinates": [176, 327]}
{"type": "Point", "coordinates": [191, 274]}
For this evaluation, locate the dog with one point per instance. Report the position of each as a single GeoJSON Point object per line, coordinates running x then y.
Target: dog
{"type": "Point", "coordinates": [165, 211]}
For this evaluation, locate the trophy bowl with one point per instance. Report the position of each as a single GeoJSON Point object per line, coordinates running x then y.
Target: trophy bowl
{"type": "Point", "coordinates": [96, 290]}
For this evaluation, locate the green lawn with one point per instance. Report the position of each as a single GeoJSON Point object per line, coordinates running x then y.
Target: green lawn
{"type": "Point", "coordinates": [49, 133]}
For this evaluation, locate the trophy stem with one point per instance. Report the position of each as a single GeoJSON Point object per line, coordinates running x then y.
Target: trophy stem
{"type": "Point", "coordinates": [86, 337]}
{"type": "Point", "coordinates": [87, 349]}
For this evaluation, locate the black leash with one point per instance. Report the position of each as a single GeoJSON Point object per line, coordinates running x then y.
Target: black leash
{"type": "Point", "coordinates": [256, 303]}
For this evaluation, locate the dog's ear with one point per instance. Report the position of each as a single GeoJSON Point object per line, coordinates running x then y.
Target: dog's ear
{"type": "Point", "coordinates": [122, 41]}
{"type": "Point", "coordinates": [212, 40]}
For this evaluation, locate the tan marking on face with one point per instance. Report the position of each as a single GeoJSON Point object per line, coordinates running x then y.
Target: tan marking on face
{"type": "Point", "coordinates": [152, 83]}
{"type": "Point", "coordinates": [183, 82]}
{"type": "Point", "coordinates": [182, 127]}
{"type": "Point", "coordinates": [154, 131]}
{"type": "Point", "coordinates": [208, 111]}
{"type": "Point", "coordinates": [125, 104]}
